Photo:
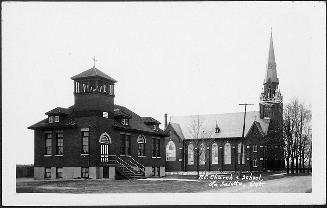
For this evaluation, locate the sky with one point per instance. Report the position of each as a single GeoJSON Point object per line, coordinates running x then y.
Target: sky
{"type": "Point", "coordinates": [179, 58]}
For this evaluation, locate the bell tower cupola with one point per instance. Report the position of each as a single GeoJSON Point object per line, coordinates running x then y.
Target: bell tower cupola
{"type": "Point", "coordinates": [94, 91]}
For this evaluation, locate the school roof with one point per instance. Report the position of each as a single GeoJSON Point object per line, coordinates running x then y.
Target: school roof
{"type": "Point", "coordinates": [230, 124]}
{"type": "Point", "coordinates": [136, 123]}
{"type": "Point", "coordinates": [93, 72]}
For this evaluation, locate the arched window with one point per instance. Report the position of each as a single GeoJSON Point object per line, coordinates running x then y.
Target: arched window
{"type": "Point", "coordinates": [170, 151]}
{"type": "Point", "coordinates": [214, 153]}
{"type": "Point", "coordinates": [190, 154]}
{"type": "Point", "coordinates": [202, 154]}
{"type": "Point", "coordinates": [227, 153]}
{"type": "Point", "coordinates": [141, 145]}
{"type": "Point", "coordinates": [239, 154]}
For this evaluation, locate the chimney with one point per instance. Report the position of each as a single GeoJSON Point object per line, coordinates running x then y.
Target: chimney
{"type": "Point", "coordinates": [166, 120]}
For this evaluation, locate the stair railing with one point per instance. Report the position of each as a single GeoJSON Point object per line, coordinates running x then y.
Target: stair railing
{"type": "Point", "coordinates": [139, 165]}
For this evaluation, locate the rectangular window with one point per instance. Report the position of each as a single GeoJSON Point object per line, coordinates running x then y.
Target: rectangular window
{"type": "Point", "coordinates": [255, 148]}
{"type": "Point", "coordinates": [125, 144]}
{"type": "Point", "coordinates": [255, 163]}
{"type": "Point", "coordinates": [85, 141]}
{"type": "Point", "coordinates": [60, 144]}
{"type": "Point", "coordinates": [85, 172]}
{"type": "Point", "coordinates": [47, 173]}
{"type": "Point", "coordinates": [50, 119]}
{"type": "Point", "coordinates": [153, 171]}
{"type": "Point", "coordinates": [48, 144]}
{"type": "Point", "coordinates": [56, 119]}
{"type": "Point", "coordinates": [156, 147]}
{"type": "Point", "coordinates": [154, 127]}
{"type": "Point", "coordinates": [59, 172]}
{"type": "Point", "coordinates": [125, 121]}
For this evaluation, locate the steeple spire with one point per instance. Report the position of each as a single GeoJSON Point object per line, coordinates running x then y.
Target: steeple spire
{"type": "Point", "coordinates": [271, 55]}
{"type": "Point", "coordinates": [271, 73]}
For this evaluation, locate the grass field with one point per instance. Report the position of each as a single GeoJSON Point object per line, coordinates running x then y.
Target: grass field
{"type": "Point", "coordinates": [168, 184]}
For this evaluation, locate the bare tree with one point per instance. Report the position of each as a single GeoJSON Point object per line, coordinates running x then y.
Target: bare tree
{"type": "Point", "coordinates": [296, 123]}
{"type": "Point", "coordinates": [201, 140]}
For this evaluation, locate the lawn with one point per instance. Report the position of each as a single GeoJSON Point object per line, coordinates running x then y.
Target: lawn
{"type": "Point", "coordinates": [168, 184]}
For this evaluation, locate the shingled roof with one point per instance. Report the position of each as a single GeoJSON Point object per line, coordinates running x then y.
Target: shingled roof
{"type": "Point", "coordinates": [136, 122]}
{"type": "Point", "coordinates": [93, 72]}
{"type": "Point", "coordinates": [59, 110]}
{"type": "Point", "coordinates": [230, 124]}
{"type": "Point", "coordinates": [150, 120]}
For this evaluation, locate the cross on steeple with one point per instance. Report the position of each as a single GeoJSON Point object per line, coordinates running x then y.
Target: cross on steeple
{"type": "Point", "coordinates": [94, 60]}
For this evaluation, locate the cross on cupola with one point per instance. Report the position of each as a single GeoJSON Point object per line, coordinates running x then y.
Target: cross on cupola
{"type": "Point", "coordinates": [94, 60]}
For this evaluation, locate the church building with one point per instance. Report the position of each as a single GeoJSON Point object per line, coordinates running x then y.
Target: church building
{"type": "Point", "coordinates": [215, 142]}
{"type": "Point", "coordinates": [95, 138]}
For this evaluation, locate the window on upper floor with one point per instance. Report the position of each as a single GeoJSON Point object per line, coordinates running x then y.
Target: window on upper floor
{"type": "Point", "coordinates": [155, 127]}
{"type": "Point", "coordinates": [255, 148]}
{"type": "Point", "coordinates": [105, 114]}
{"type": "Point", "coordinates": [56, 119]}
{"type": "Point", "coordinates": [50, 119]}
{"type": "Point", "coordinates": [255, 163]}
{"type": "Point", "coordinates": [48, 143]}
{"type": "Point", "coordinates": [125, 121]}
{"type": "Point", "coordinates": [156, 147]}
{"type": "Point", "coordinates": [85, 141]}
{"type": "Point", "coordinates": [141, 146]}
{"type": "Point", "coordinates": [60, 143]}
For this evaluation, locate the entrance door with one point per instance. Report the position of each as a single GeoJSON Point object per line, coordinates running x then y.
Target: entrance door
{"type": "Point", "coordinates": [105, 172]}
{"type": "Point", "coordinates": [104, 153]}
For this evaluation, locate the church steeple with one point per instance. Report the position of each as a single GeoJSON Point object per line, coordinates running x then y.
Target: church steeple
{"type": "Point", "coordinates": [271, 73]}
{"type": "Point", "coordinates": [270, 98]}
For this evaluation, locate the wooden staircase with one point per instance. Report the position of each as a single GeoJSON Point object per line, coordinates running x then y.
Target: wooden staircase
{"type": "Point", "coordinates": [127, 166]}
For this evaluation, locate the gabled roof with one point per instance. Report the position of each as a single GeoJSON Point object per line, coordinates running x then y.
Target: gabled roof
{"type": "Point", "coordinates": [136, 122]}
{"type": "Point", "coordinates": [177, 128]}
{"type": "Point", "coordinates": [230, 124]}
{"type": "Point", "coordinates": [93, 72]}
{"type": "Point", "coordinates": [258, 126]}
{"type": "Point", "coordinates": [150, 120]}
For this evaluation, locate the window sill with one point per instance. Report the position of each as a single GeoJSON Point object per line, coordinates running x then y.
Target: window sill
{"type": "Point", "coordinates": [47, 155]}
{"type": "Point", "coordinates": [59, 155]}
{"type": "Point", "coordinates": [141, 156]}
{"type": "Point", "coordinates": [156, 157]}
{"type": "Point", "coordinates": [84, 154]}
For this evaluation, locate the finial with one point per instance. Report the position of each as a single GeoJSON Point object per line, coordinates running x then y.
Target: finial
{"type": "Point", "coordinates": [94, 60]}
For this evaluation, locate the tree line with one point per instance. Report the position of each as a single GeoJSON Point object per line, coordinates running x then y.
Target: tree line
{"type": "Point", "coordinates": [297, 137]}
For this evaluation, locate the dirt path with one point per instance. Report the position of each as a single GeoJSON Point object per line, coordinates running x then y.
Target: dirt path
{"type": "Point", "coordinates": [292, 184]}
